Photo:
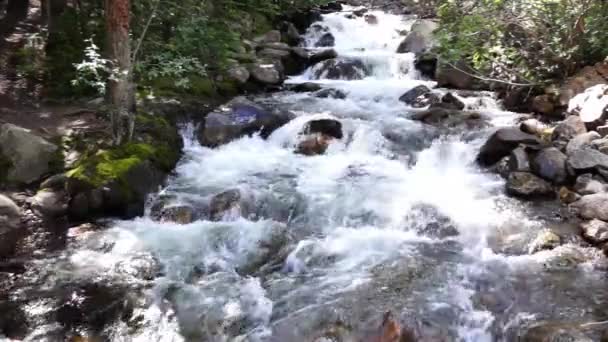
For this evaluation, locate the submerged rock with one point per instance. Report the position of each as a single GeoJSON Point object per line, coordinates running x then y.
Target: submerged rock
{"type": "Point", "coordinates": [329, 127]}
{"type": "Point", "coordinates": [238, 118]}
{"type": "Point", "coordinates": [24, 156]}
{"type": "Point", "coordinates": [317, 135]}
{"type": "Point", "coordinates": [340, 69]}
{"type": "Point", "coordinates": [230, 205]}
{"type": "Point", "coordinates": [419, 97]}
{"type": "Point", "coordinates": [502, 142]}
{"type": "Point", "coordinates": [427, 220]}
{"type": "Point", "coordinates": [528, 186]}
{"type": "Point", "coordinates": [449, 101]}
{"type": "Point", "coordinates": [326, 40]}
{"type": "Point", "coordinates": [305, 87]}
{"type": "Point", "coordinates": [545, 240]}
{"type": "Point", "coordinates": [330, 93]}
{"type": "Point", "coordinates": [448, 118]}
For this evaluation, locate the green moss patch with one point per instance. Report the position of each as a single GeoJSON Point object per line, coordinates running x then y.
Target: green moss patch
{"type": "Point", "coordinates": [156, 141]}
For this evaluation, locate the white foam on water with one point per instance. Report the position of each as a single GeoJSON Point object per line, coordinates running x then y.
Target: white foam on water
{"type": "Point", "coordinates": [357, 197]}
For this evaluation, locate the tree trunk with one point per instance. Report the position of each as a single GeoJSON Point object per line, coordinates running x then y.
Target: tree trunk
{"type": "Point", "coordinates": [119, 86]}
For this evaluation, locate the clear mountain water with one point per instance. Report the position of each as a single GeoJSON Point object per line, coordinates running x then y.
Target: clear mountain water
{"type": "Point", "coordinates": [339, 238]}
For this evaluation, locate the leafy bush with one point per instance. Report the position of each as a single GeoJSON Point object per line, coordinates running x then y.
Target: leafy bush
{"type": "Point", "coordinates": [526, 41]}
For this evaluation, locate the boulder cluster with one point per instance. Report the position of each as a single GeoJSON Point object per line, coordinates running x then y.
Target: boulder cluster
{"type": "Point", "coordinates": [567, 160]}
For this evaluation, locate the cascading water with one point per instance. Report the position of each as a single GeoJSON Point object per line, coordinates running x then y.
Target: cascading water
{"type": "Point", "coordinates": [336, 239]}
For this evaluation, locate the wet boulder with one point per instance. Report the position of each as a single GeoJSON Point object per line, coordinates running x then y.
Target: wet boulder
{"type": "Point", "coordinates": [419, 97]}
{"type": "Point", "coordinates": [502, 142]}
{"type": "Point", "coordinates": [329, 127]}
{"type": "Point", "coordinates": [317, 135]}
{"type": "Point", "coordinates": [449, 101]}
{"type": "Point", "coordinates": [595, 231]}
{"type": "Point", "coordinates": [568, 129]}
{"type": "Point", "coordinates": [420, 39]}
{"type": "Point", "coordinates": [238, 73]}
{"type": "Point", "coordinates": [340, 69]}
{"type": "Point", "coordinates": [457, 76]}
{"type": "Point", "coordinates": [321, 56]}
{"type": "Point", "coordinates": [230, 205]}
{"type": "Point", "coordinates": [427, 220]}
{"type": "Point", "coordinates": [448, 118]}
{"type": "Point", "coordinates": [10, 218]}
{"type": "Point", "coordinates": [331, 93]}
{"type": "Point", "coordinates": [326, 40]}
{"type": "Point", "coordinates": [550, 164]}
{"type": "Point", "coordinates": [528, 186]}
{"type": "Point", "coordinates": [238, 118]}
{"type": "Point", "coordinates": [371, 19]}
{"type": "Point", "coordinates": [165, 211]}
{"type": "Point", "coordinates": [587, 160]}
{"type": "Point", "coordinates": [24, 156]}
{"type": "Point", "coordinates": [592, 207]}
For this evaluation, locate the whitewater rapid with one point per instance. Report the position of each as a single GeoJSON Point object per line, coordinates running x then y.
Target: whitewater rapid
{"type": "Point", "coordinates": [344, 221]}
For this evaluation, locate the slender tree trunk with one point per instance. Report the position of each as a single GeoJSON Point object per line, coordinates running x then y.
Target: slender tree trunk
{"type": "Point", "coordinates": [119, 86]}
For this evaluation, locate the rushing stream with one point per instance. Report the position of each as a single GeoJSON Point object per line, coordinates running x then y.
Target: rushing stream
{"type": "Point", "coordinates": [338, 239]}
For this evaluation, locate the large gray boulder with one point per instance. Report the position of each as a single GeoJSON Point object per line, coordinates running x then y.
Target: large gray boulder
{"type": "Point", "coordinates": [519, 160]}
{"type": "Point", "coordinates": [502, 142]}
{"type": "Point", "coordinates": [26, 156]}
{"type": "Point", "coordinates": [238, 118]}
{"type": "Point", "coordinates": [592, 207]}
{"type": "Point", "coordinates": [550, 164]}
{"type": "Point", "coordinates": [10, 216]}
{"type": "Point", "coordinates": [420, 39]}
{"type": "Point", "coordinates": [587, 159]}
{"type": "Point", "coordinates": [528, 186]}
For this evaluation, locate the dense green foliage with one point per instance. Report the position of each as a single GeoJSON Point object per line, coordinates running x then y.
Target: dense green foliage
{"type": "Point", "coordinates": [524, 41]}
{"type": "Point", "coordinates": [183, 43]}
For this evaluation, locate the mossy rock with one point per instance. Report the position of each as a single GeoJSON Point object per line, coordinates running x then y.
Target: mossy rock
{"type": "Point", "coordinates": [123, 175]}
